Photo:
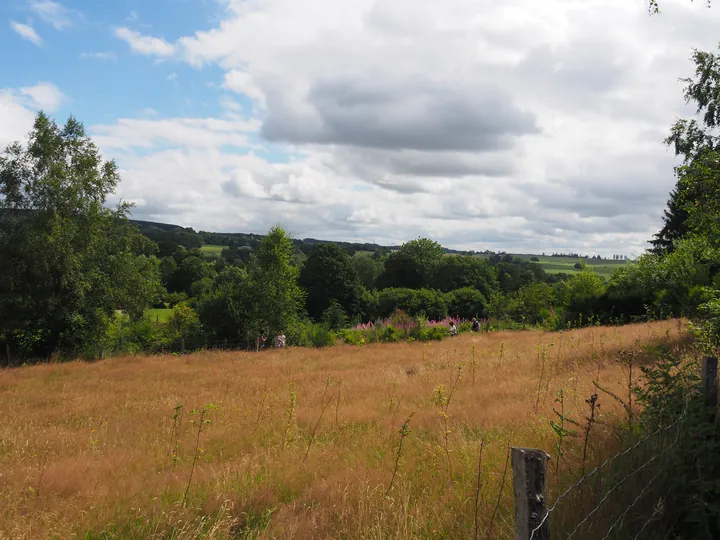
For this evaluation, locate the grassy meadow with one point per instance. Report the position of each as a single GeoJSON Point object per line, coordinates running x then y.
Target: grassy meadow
{"type": "Point", "coordinates": [210, 250]}
{"type": "Point", "coordinates": [558, 265]}
{"type": "Point", "coordinates": [300, 443]}
{"type": "Point", "coordinates": [159, 315]}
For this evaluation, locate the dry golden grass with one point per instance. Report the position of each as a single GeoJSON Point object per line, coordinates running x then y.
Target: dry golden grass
{"type": "Point", "coordinates": [88, 447]}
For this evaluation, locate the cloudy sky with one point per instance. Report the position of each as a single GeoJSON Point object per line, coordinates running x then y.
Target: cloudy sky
{"type": "Point", "coordinates": [513, 125]}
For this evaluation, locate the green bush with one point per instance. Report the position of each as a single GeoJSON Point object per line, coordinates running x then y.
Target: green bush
{"type": "Point", "coordinates": [126, 336]}
{"type": "Point", "coordinates": [389, 334]}
{"type": "Point", "coordinates": [307, 334]}
{"type": "Point", "coordinates": [466, 303]}
{"type": "Point", "coordinates": [354, 337]}
{"type": "Point", "coordinates": [436, 333]}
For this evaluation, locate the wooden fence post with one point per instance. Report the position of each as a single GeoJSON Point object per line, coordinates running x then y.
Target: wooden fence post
{"type": "Point", "coordinates": [529, 472]}
{"type": "Point", "coordinates": [7, 353]}
{"type": "Point", "coordinates": [225, 345]}
{"type": "Point", "coordinates": [182, 345]}
{"type": "Point", "coordinates": [710, 380]}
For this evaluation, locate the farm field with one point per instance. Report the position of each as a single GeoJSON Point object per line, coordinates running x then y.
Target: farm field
{"type": "Point", "coordinates": [557, 265]}
{"type": "Point", "coordinates": [210, 250]}
{"type": "Point", "coordinates": [299, 443]}
{"type": "Point", "coordinates": [159, 315]}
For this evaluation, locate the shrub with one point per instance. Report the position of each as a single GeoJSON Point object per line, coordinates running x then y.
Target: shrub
{"type": "Point", "coordinates": [335, 316]}
{"type": "Point", "coordinates": [389, 334]}
{"type": "Point", "coordinates": [307, 334]}
{"type": "Point", "coordinates": [467, 303]}
{"type": "Point", "coordinates": [433, 333]}
{"type": "Point", "coordinates": [353, 337]}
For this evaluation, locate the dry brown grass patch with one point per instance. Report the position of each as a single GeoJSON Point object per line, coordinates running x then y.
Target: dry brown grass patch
{"type": "Point", "coordinates": [85, 446]}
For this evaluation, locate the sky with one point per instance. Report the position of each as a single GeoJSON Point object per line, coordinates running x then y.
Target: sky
{"type": "Point", "coordinates": [513, 125]}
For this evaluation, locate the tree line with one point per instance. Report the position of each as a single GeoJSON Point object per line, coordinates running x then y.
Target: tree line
{"type": "Point", "coordinates": [76, 272]}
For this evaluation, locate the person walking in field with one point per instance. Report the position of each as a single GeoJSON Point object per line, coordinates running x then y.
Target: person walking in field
{"type": "Point", "coordinates": [281, 340]}
{"type": "Point", "coordinates": [453, 329]}
{"type": "Point", "coordinates": [475, 325]}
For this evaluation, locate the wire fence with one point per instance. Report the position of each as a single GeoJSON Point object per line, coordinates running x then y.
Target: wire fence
{"type": "Point", "coordinates": [624, 495]}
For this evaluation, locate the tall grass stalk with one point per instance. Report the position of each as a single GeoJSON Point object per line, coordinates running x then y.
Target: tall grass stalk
{"type": "Point", "coordinates": [322, 412]}
{"type": "Point", "coordinates": [445, 404]}
{"type": "Point", "coordinates": [404, 432]}
{"type": "Point", "coordinates": [289, 413]}
{"type": "Point", "coordinates": [202, 413]}
{"type": "Point", "coordinates": [499, 497]}
{"type": "Point", "coordinates": [478, 485]}
{"type": "Point", "coordinates": [175, 433]}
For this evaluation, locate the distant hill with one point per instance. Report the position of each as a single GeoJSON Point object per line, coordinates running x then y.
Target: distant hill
{"type": "Point", "coordinates": [169, 234]}
{"type": "Point", "coordinates": [151, 228]}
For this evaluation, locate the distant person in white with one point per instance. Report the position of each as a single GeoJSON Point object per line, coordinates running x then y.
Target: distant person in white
{"type": "Point", "coordinates": [453, 329]}
{"type": "Point", "coordinates": [281, 340]}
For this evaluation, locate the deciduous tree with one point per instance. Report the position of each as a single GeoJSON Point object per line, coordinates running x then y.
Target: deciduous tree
{"type": "Point", "coordinates": [68, 263]}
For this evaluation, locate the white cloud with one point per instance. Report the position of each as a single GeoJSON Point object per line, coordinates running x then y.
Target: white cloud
{"type": "Point", "coordinates": [106, 55]}
{"type": "Point", "coordinates": [230, 104]}
{"type": "Point", "coordinates": [27, 32]}
{"type": "Point", "coordinates": [201, 133]}
{"type": "Point", "coordinates": [243, 83]}
{"type": "Point", "coordinates": [18, 108]}
{"type": "Point", "coordinates": [527, 126]}
{"type": "Point", "coordinates": [53, 13]}
{"type": "Point", "coordinates": [44, 96]}
{"type": "Point", "coordinates": [146, 45]}
{"type": "Point", "coordinates": [17, 120]}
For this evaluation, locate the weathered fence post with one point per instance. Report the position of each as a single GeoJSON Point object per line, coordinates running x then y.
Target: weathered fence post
{"type": "Point", "coordinates": [710, 380]}
{"type": "Point", "coordinates": [182, 345]}
{"type": "Point", "coordinates": [225, 345]}
{"type": "Point", "coordinates": [7, 353]}
{"type": "Point", "coordinates": [529, 471]}
{"type": "Point", "coordinates": [100, 352]}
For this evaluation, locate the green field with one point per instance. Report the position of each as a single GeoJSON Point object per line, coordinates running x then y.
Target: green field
{"type": "Point", "coordinates": [210, 250]}
{"type": "Point", "coordinates": [558, 265]}
{"type": "Point", "coordinates": [159, 315]}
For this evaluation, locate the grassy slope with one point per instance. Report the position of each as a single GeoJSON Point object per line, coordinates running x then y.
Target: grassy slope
{"type": "Point", "coordinates": [95, 440]}
{"type": "Point", "coordinates": [210, 250]}
{"type": "Point", "coordinates": [557, 265]}
{"type": "Point", "coordinates": [159, 315]}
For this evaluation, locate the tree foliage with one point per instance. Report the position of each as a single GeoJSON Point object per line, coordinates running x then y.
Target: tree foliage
{"type": "Point", "coordinates": [275, 296]}
{"type": "Point", "coordinates": [692, 139]}
{"type": "Point", "coordinates": [328, 274]}
{"type": "Point", "coordinates": [68, 262]}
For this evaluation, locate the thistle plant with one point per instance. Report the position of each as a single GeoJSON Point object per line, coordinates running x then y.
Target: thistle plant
{"type": "Point", "coordinates": [175, 433]}
{"type": "Point", "coordinates": [627, 361]}
{"type": "Point", "coordinates": [404, 432]}
{"type": "Point", "coordinates": [473, 363]}
{"type": "Point", "coordinates": [561, 432]}
{"type": "Point", "coordinates": [442, 398]}
{"type": "Point", "coordinates": [590, 420]}
{"type": "Point", "coordinates": [337, 402]}
{"type": "Point", "coordinates": [542, 359]}
{"type": "Point", "coordinates": [201, 421]}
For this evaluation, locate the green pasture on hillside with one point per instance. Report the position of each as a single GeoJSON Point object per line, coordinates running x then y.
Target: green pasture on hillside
{"type": "Point", "coordinates": [159, 315]}
{"type": "Point", "coordinates": [210, 250]}
{"type": "Point", "coordinates": [559, 265]}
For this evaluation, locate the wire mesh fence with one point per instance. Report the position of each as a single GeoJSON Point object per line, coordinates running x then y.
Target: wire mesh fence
{"type": "Point", "coordinates": [630, 493]}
